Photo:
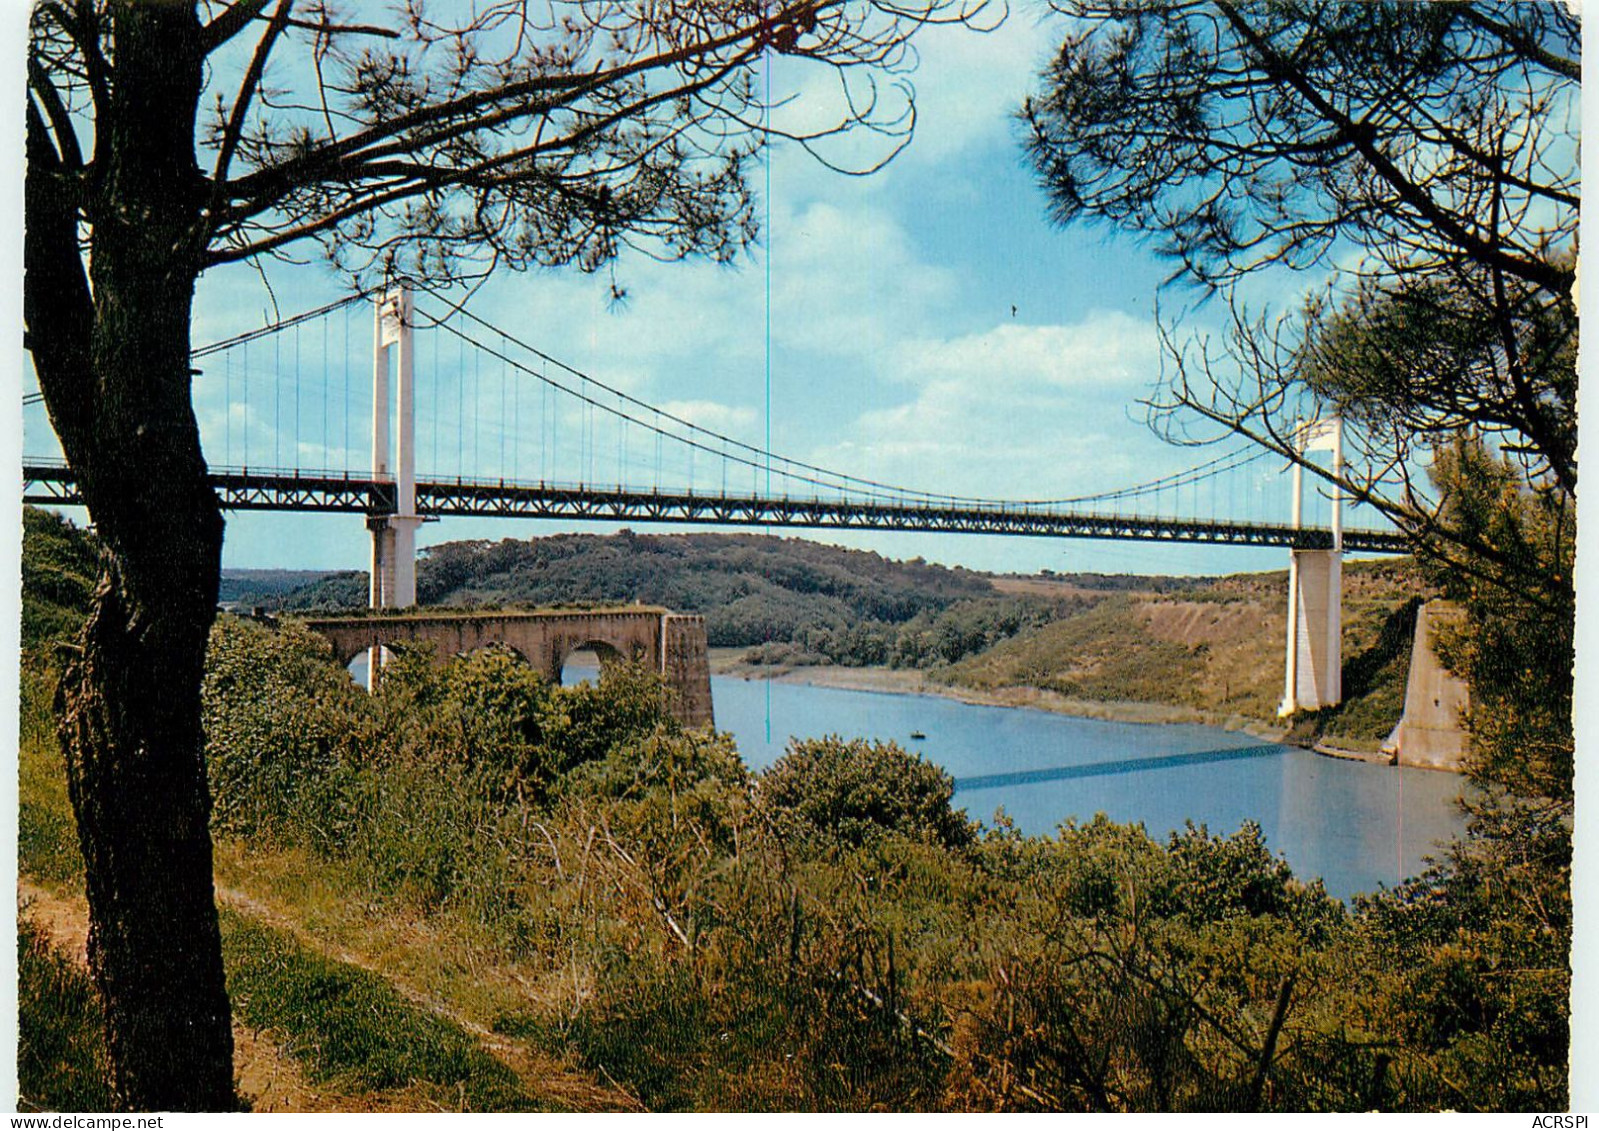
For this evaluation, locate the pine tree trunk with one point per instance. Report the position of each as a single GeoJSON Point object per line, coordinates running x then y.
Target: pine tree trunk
{"type": "Point", "coordinates": [131, 733]}
{"type": "Point", "coordinates": [112, 353]}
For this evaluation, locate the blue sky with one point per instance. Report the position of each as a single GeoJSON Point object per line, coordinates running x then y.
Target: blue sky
{"type": "Point", "coordinates": [928, 327]}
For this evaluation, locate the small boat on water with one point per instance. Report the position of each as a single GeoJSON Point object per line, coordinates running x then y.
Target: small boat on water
{"type": "Point", "coordinates": [917, 735]}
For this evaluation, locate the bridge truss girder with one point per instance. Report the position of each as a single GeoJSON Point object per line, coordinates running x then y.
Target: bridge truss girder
{"type": "Point", "coordinates": [243, 489]}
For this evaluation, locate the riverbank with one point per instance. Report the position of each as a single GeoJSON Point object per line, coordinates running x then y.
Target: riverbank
{"type": "Point", "coordinates": [729, 662]}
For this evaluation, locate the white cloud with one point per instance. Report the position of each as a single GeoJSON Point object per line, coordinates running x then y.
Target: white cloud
{"type": "Point", "coordinates": [1106, 348]}
{"type": "Point", "coordinates": [847, 280]}
{"type": "Point", "coordinates": [733, 420]}
{"type": "Point", "coordinates": [969, 83]}
{"type": "Point", "coordinates": [964, 84]}
{"type": "Point", "coordinates": [1013, 412]}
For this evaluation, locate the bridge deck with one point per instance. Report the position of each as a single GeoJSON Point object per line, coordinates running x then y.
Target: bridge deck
{"type": "Point", "coordinates": [331, 492]}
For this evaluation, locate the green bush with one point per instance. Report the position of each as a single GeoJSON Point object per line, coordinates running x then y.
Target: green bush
{"type": "Point", "coordinates": [1216, 878]}
{"type": "Point", "coordinates": [586, 722]}
{"type": "Point", "coordinates": [60, 565]}
{"type": "Point", "coordinates": [849, 791]}
{"type": "Point", "coordinates": [278, 713]}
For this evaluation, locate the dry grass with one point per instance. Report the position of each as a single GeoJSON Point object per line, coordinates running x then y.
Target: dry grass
{"type": "Point", "coordinates": [439, 962]}
{"type": "Point", "coordinates": [1212, 654]}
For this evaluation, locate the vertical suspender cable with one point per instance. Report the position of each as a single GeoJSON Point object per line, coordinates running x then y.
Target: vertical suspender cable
{"type": "Point", "coordinates": [297, 395]}
{"type": "Point", "coordinates": [516, 424]}
{"type": "Point", "coordinates": [346, 389]}
{"type": "Point", "coordinates": [460, 405]}
{"type": "Point", "coordinates": [500, 424]}
{"type": "Point", "coordinates": [433, 423]}
{"type": "Point", "coordinates": [325, 460]}
{"type": "Point", "coordinates": [245, 420]}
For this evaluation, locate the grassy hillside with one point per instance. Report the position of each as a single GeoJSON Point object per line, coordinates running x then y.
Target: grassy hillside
{"type": "Point", "coordinates": [59, 566]}
{"type": "Point", "coordinates": [1216, 648]}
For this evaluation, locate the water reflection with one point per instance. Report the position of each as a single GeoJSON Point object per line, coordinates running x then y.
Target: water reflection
{"type": "Point", "coordinates": [1357, 826]}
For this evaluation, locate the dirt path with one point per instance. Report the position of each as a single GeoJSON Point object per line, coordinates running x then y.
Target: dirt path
{"type": "Point", "coordinates": [271, 1079]}
{"type": "Point", "coordinates": [547, 1076]}
{"type": "Point", "coordinates": [267, 1076]}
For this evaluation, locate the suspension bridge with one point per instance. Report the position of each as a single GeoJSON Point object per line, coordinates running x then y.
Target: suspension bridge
{"type": "Point", "coordinates": [506, 430]}
{"type": "Point", "coordinates": [285, 443]}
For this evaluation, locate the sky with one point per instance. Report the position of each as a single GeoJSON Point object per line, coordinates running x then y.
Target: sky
{"type": "Point", "coordinates": [926, 326]}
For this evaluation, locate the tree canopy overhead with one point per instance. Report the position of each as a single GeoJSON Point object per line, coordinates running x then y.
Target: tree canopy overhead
{"type": "Point", "coordinates": [1423, 136]}
{"type": "Point", "coordinates": [1423, 156]}
{"type": "Point", "coordinates": [464, 136]}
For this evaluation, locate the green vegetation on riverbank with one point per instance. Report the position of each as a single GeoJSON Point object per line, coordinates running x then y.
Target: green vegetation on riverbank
{"type": "Point", "coordinates": [1216, 649]}
{"type": "Point", "coordinates": [1211, 647]}
{"type": "Point", "coordinates": [571, 879]}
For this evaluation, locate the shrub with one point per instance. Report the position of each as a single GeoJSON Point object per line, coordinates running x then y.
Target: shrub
{"type": "Point", "coordinates": [585, 723]}
{"type": "Point", "coordinates": [849, 791]}
{"type": "Point", "coordinates": [278, 713]}
{"type": "Point", "coordinates": [1221, 877]}
{"type": "Point", "coordinates": [60, 564]}
{"type": "Point", "coordinates": [485, 709]}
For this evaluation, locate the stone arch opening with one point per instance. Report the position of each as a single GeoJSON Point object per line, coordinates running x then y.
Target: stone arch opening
{"type": "Point", "coordinates": [671, 644]}
{"type": "Point", "coordinates": [358, 662]}
{"type": "Point", "coordinates": [358, 666]}
{"type": "Point", "coordinates": [587, 662]}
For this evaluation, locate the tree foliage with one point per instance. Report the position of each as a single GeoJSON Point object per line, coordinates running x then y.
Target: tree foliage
{"type": "Point", "coordinates": [442, 141]}
{"type": "Point", "coordinates": [1516, 649]}
{"type": "Point", "coordinates": [59, 563]}
{"type": "Point", "coordinates": [1423, 154]}
{"type": "Point", "coordinates": [1241, 135]}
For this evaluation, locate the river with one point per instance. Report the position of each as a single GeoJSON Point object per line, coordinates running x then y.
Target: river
{"type": "Point", "coordinates": [1355, 825]}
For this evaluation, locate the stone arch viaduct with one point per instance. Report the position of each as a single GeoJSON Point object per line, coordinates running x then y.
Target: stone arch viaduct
{"type": "Point", "coordinates": [671, 644]}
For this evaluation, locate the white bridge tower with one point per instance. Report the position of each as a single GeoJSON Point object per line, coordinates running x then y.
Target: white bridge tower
{"type": "Point", "coordinates": [393, 584]}
{"type": "Point", "coordinates": [1315, 589]}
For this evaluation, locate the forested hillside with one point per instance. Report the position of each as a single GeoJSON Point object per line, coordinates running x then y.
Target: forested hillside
{"type": "Point", "coordinates": [244, 588]}
{"type": "Point", "coordinates": [1206, 645]}
{"type": "Point", "coordinates": [751, 588]}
